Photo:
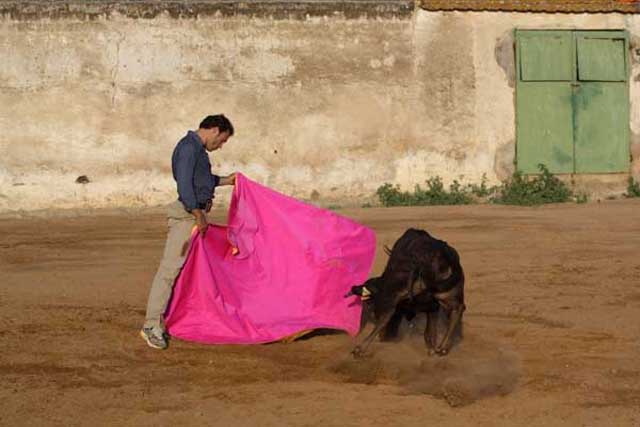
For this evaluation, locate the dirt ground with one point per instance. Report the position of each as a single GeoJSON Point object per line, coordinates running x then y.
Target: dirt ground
{"type": "Point", "coordinates": [552, 331]}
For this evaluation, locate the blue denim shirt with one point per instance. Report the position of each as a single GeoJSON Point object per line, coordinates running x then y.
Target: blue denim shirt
{"type": "Point", "coordinates": [192, 172]}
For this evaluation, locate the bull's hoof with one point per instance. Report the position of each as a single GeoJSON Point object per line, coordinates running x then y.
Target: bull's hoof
{"type": "Point", "coordinates": [442, 351]}
{"type": "Point", "coordinates": [357, 353]}
{"type": "Point", "coordinates": [431, 351]}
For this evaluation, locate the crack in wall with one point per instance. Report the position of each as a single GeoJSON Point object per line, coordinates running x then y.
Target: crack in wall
{"type": "Point", "coordinates": [116, 69]}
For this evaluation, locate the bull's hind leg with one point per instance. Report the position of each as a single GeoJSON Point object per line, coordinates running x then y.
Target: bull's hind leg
{"type": "Point", "coordinates": [381, 322]}
{"type": "Point", "coordinates": [455, 317]}
{"type": "Point", "coordinates": [431, 331]}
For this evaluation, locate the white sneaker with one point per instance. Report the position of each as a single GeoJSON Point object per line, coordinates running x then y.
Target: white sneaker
{"type": "Point", "coordinates": [154, 337]}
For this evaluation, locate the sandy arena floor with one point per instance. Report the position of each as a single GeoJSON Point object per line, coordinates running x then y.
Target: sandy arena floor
{"type": "Point", "coordinates": [552, 331]}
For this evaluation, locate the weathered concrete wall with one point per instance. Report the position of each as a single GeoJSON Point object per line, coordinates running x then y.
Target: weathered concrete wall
{"type": "Point", "coordinates": [326, 107]}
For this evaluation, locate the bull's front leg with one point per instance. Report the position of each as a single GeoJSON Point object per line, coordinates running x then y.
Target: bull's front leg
{"type": "Point", "coordinates": [390, 331]}
{"type": "Point", "coordinates": [431, 331]}
{"type": "Point", "coordinates": [455, 315]}
{"type": "Point", "coordinates": [360, 348]}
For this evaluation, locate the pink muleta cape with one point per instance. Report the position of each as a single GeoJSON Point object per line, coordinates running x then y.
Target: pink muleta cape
{"type": "Point", "coordinates": [278, 268]}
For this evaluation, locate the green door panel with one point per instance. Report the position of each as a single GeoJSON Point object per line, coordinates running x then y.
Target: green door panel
{"type": "Point", "coordinates": [546, 56]}
{"type": "Point", "coordinates": [601, 127]}
{"type": "Point", "coordinates": [601, 59]}
{"type": "Point", "coordinates": [544, 127]}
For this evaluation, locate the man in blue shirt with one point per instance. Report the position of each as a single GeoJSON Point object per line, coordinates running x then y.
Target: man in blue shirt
{"type": "Point", "coordinates": [196, 186]}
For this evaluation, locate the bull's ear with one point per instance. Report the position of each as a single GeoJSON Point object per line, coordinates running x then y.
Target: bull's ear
{"type": "Point", "coordinates": [372, 285]}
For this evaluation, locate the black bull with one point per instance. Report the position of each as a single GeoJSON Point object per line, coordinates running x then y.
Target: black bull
{"type": "Point", "coordinates": [423, 274]}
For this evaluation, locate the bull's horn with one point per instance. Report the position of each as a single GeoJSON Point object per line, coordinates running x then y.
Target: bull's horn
{"type": "Point", "coordinates": [361, 291]}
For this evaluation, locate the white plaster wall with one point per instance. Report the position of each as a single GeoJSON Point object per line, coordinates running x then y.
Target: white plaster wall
{"type": "Point", "coordinates": [326, 109]}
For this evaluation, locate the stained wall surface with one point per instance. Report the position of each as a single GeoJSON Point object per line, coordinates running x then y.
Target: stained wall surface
{"type": "Point", "coordinates": [327, 106]}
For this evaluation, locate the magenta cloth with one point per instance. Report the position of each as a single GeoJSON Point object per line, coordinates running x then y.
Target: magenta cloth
{"type": "Point", "coordinates": [293, 265]}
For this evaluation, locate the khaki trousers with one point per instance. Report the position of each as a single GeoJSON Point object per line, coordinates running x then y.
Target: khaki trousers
{"type": "Point", "coordinates": [176, 249]}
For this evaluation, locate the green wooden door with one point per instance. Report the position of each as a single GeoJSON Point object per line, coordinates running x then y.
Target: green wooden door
{"type": "Point", "coordinates": [601, 103]}
{"type": "Point", "coordinates": [543, 101]}
{"type": "Point", "coordinates": [572, 106]}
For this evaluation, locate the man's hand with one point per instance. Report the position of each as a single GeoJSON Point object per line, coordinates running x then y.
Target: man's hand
{"type": "Point", "coordinates": [228, 180]}
{"type": "Point", "coordinates": [201, 221]}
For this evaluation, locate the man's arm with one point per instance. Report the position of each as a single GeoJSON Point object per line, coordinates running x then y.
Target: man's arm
{"type": "Point", "coordinates": [201, 221]}
{"type": "Point", "coordinates": [185, 166]}
{"type": "Point", "coordinates": [228, 180]}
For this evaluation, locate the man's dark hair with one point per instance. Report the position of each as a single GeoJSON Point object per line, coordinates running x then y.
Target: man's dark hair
{"type": "Point", "coordinates": [217, 121]}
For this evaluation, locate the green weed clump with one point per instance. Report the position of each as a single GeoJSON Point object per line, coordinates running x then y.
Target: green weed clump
{"type": "Point", "coordinates": [519, 190]}
{"type": "Point", "coordinates": [633, 188]}
{"type": "Point", "coordinates": [582, 198]}
{"type": "Point", "coordinates": [434, 194]}
{"type": "Point", "coordinates": [481, 190]}
{"type": "Point", "coordinates": [544, 188]}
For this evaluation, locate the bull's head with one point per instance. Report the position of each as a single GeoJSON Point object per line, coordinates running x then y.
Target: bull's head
{"type": "Point", "coordinates": [364, 291]}
{"type": "Point", "coordinates": [360, 291]}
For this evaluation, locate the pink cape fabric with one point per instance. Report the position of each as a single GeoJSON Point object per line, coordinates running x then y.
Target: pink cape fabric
{"type": "Point", "coordinates": [279, 267]}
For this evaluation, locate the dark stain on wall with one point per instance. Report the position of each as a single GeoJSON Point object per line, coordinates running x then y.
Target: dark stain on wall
{"type": "Point", "coordinates": [448, 82]}
{"type": "Point", "coordinates": [634, 148]}
{"type": "Point", "coordinates": [504, 163]}
{"type": "Point", "coordinates": [505, 57]}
